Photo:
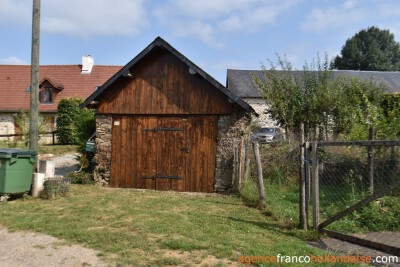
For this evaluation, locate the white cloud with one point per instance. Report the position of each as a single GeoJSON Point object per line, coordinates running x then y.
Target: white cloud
{"type": "Point", "coordinates": [349, 4]}
{"type": "Point", "coordinates": [94, 17]}
{"type": "Point", "coordinates": [16, 11]}
{"type": "Point", "coordinates": [80, 18]}
{"type": "Point", "coordinates": [208, 19]}
{"type": "Point", "coordinates": [13, 61]}
{"type": "Point", "coordinates": [323, 19]}
{"type": "Point", "coordinates": [204, 31]}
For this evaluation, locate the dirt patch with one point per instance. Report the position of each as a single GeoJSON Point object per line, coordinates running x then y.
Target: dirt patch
{"type": "Point", "coordinates": [31, 249]}
{"type": "Point", "coordinates": [197, 258]}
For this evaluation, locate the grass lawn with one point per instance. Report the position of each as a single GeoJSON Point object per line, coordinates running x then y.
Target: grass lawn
{"type": "Point", "coordinates": [150, 228]}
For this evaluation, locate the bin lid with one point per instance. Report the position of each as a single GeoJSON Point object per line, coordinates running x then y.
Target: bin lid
{"type": "Point", "coordinates": [9, 151]}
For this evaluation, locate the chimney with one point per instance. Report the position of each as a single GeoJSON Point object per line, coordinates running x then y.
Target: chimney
{"type": "Point", "coordinates": [87, 64]}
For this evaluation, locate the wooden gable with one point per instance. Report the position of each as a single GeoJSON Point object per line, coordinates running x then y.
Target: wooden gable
{"type": "Point", "coordinates": [160, 83]}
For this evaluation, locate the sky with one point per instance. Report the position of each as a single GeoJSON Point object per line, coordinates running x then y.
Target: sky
{"type": "Point", "coordinates": [214, 34]}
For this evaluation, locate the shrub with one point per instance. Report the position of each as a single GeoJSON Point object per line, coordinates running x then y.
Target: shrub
{"type": "Point", "coordinates": [67, 113]}
{"type": "Point", "coordinates": [80, 178]}
{"type": "Point", "coordinates": [22, 119]}
{"type": "Point", "coordinates": [54, 188]}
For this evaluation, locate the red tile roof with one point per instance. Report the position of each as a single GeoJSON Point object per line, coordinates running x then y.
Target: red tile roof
{"type": "Point", "coordinates": [15, 80]}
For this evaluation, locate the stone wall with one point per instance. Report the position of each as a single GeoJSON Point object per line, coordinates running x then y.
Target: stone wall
{"type": "Point", "coordinates": [102, 172]}
{"type": "Point", "coordinates": [260, 107]}
{"type": "Point", "coordinates": [6, 124]}
{"type": "Point", "coordinates": [231, 129]}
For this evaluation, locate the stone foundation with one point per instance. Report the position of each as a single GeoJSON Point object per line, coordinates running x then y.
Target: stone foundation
{"type": "Point", "coordinates": [231, 129]}
{"type": "Point", "coordinates": [102, 171]}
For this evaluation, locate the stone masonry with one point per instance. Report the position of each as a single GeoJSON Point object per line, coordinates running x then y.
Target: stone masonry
{"type": "Point", "coordinates": [6, 124]}
{"type": "Point", "coordinates": [231, 129]}
{"type": "Point", "coordinates": [260, 107]}
{"type": "Point", "coordinates": [102, 172]}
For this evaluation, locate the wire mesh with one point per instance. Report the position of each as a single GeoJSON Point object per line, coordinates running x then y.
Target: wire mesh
{"type": "Point", "coordinates": [350, 174]}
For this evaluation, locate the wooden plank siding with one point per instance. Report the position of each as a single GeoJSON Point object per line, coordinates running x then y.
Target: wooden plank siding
{"type": "Point", "coordinates": [162, 84]}
{"type": "Point", "coordinates": [182, 148]}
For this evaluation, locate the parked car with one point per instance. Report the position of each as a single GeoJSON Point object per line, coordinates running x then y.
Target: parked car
{"type": "Point", "coordinates": [268, 135]}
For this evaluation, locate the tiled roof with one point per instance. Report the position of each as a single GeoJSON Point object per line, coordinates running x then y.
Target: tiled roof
{"type": "Point", "coordinates": [15, 80]}
{"type": "Point", "coordinates": [240, 81]}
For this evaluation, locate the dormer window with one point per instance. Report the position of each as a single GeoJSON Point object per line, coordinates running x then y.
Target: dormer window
{"type": "Point", "coordinates": [46, 95]}
{"type": "Point", "coordinates": [49, 88]}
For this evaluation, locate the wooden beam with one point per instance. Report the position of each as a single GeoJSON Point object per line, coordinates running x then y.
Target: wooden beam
{"type": "Point", "coordinates": [359, 205]}
{"type": "Point", "coordinates": [361, 143]}
{"type": "Point", "coordinates": [364, 242]}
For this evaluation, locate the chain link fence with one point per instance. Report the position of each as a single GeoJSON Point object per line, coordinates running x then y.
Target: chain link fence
{"type": "Point", "coordinates": [359, 192]}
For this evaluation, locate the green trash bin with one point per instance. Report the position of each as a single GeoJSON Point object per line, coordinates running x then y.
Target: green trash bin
{"type": "Point", "coordinates": [16, 170]}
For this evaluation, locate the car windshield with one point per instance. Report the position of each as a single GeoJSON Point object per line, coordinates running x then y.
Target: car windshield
{"type": "Point", "coordinates": [267, 130]}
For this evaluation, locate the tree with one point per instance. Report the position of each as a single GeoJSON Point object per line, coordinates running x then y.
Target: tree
{"type": "Point", "coordinates": [296, 97]}
{"type": "Point", "coordinates": [74, 125]}
{"type": "Point", "coordinates": [372, 49]}
{"type": "Point", "coordinates": [335, 104]}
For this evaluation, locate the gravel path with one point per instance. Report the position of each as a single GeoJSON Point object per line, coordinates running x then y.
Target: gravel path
{"type": "Point", "coordinates": [26, 249]}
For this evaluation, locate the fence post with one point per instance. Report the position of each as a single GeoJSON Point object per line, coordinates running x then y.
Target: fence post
{"type": "Point", "coordinates": [315, 184]}
{"type": "Point", "coordinates": [260, 182]}
{"type": "Point", "coordinates": [371, 160]}
{"type": "Point", "coordinates": [241, 162]}
{"type": "Point", "coordinates": [247, 160]}
{"type": "Point", "coordinates": [236, 165]}
{"type": "Point", "coordinates": [308, 179]}
{"type": "Point", "coordinates": [303, 214]}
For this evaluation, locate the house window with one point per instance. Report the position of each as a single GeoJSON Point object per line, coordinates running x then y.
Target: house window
{"type": "Point", "coordinates": [47, 95]}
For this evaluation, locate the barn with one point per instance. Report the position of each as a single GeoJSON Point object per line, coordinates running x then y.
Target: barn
{"type": "Point", "coordinates": [163, 123]}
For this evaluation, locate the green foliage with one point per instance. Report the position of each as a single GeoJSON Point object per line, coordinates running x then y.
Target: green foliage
{"type": "Point", "coordinates": [22, 119]}
{"type": "Point", "coordinates": [68, 113]}
{"type": "Point", "coordinates": [318, 99]}
{"type": "Point", "coordinates": [380, 215]}
{"type": "Point", "coordinates": [80, 177]}
{"type": "Point", "coordinates": [54, 188]}
{"type": "Point", "coordinates": [298, 96]}
{"type": "Point", "coordinates": [371, 49]}
{"type": "Point", "coordinates": [76, 126]}
{"type": "Point", "coordinates": [86, 126]}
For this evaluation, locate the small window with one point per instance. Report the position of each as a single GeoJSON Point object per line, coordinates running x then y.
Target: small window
{"type": "Point", "coordinates": [46, 95]}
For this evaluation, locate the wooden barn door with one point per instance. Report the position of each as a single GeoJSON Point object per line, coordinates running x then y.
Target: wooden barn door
{"type": "Point", "coordinates": [149, 152]}
{"type": "Point", "coordinates": [164, 153]}
{"type": "Point", "coordinates": [171, 154]}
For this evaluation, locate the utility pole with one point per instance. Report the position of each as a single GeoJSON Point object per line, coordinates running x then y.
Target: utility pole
{"type": "Point", "coordinates": [34, 110]}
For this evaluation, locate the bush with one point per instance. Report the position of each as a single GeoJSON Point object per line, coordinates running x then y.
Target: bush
{"type": "Point", "coordinates": [80, 178]}
{"type": "Point", "coordinates": [67, 113]}
{"type": "Point", "coordinates": [22, 119]}
{"type": "Point", "coordinates": [54, 188]}
{"type": "Point", "coordinates": [74, 125]}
